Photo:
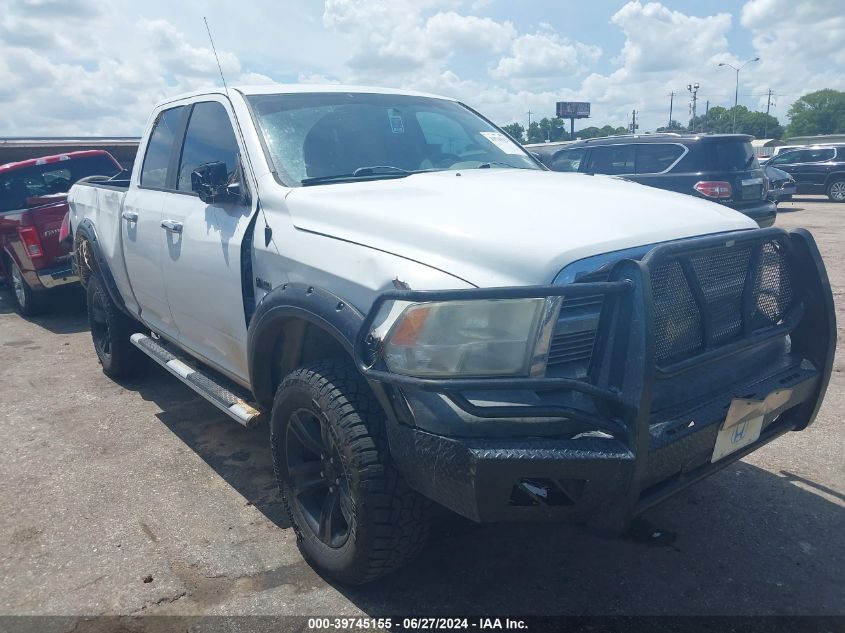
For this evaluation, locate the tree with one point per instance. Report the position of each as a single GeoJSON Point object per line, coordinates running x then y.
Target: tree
{"type": "Point", "coordinates": [721, 121]}
{"type": "Point", "coordinates": [673, 126]}
{"type": "Point", "coordinates": [820, 112]}
{"type": "Point", "coordinates": [515, 130]}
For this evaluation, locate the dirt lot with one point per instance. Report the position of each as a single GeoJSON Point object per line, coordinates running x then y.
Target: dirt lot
{"type": "Point", "coordinates": [104, 484]}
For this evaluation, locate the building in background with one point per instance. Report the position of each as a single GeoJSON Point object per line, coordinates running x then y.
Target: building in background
{"type": "Point", "coordinates": [821, 139]}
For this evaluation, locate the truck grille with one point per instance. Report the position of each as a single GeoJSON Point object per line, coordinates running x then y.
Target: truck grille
{"type": "Point", "coordinates": [708, 299]}
{"type": "Point", "coordinates": [702, 300]}
{"type": "Point", "coordinates": [575, 335]}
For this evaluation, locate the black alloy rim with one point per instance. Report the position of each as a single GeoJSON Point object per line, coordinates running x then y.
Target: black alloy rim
{"type": "Point", "coordinates": [317, 478]}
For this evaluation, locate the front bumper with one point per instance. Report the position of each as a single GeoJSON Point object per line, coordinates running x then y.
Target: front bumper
{"type": "Point", "coordinates": [604, 449]}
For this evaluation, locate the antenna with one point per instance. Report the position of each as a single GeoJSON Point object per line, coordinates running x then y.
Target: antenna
{"type": "Point", "coordinates": [214, 50]}
{"type": "Point", "coordinates": [268, 232]}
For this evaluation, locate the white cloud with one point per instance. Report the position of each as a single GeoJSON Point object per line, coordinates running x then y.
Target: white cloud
{"type": "Point", "coordinates": [101, 71]}
{"type": "Point", "coordinates": [659, 40]}
{"type": "Point", "coordinates": [544, 57]}
{"type": "Point", "coordinates": [70, 81]}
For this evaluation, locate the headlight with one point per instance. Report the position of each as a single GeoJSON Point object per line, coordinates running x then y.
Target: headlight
{"type": "Point", "coordinates": [496, 337]}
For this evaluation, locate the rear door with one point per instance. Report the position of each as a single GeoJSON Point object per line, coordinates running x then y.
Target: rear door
{"type": "Point", "coordinates": [141, 230]}
{"type": "Point", "coordinates": [655, 164]}
{"type": "Point", "coordinates": [202, 258]}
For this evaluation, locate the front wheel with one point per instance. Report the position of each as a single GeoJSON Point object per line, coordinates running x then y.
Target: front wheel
{"type": "Point", "coordinates": [836, 190]}
{"type": "Point", "coordinates": [355, 517]}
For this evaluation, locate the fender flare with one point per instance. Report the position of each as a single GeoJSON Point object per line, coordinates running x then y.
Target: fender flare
{"type": "Point", "coordinates": [335, 316]}
{"type": "Point", "coordinates": [87, 231]}
{"type": "Point", "coordinates": [835, 175]}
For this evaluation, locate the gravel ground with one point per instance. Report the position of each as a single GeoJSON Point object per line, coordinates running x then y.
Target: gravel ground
{"type": "Point", "coordinates": [139, 497]}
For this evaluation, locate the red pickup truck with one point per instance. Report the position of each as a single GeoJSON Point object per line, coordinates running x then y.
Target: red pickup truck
{"type": "Point", "coordinates": [33, 206]}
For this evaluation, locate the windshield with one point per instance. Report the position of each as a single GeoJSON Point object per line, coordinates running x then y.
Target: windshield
{"type": "Point", "coordinates": [324, 137]}
{"type": "Point", "coordinates": [17, 185]}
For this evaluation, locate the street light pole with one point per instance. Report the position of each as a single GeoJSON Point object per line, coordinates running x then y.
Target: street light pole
{"type": "Point", "coordinates": [736, 90]}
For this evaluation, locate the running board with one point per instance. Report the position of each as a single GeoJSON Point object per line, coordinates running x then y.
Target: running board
{"type": "Point", "coordinates": [221, 396]}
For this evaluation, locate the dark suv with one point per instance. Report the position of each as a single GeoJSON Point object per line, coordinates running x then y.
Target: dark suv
{"type": "Point", "coordinates": [819, 169]}
{"type": "Point", "coordinates": [719, 167]}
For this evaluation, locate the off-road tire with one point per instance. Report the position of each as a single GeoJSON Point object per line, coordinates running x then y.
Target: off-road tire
{"type": "Point", "coordinates": [110, 331]}
{"type": "Point", "coordinates": [836, 189]}
{"type": "Point", "coordinates": [389, 522]}
{"type": "Point", "coordinates": [28, 302]}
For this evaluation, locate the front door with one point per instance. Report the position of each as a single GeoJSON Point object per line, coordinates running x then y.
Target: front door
{"type": "Point", "coordinates": [201, 257]}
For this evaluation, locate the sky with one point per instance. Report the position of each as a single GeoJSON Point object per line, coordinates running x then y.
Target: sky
{"type": "Point", "coordinates": [97, 67]}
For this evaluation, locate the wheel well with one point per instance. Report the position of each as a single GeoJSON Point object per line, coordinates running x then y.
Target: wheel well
{"type": "Point", "coordinates": [300, 342]}
{"type": "Point", "coordinates": [838, 175]}
{"type": "Point", "coordinates": [82, 258]}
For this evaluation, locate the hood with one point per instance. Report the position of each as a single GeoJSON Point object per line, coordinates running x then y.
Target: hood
{"type": "Point", "coordinates": [498, 227]}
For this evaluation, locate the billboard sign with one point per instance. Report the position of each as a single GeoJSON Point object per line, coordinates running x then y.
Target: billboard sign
{"type": "Point", "coordinates": [573, 109]}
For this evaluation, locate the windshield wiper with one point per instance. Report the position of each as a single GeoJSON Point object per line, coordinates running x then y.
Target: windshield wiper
{"type": "Point", "coordinates": [362, 173]}
{"type": "Point", "coordinates": [491, 163]}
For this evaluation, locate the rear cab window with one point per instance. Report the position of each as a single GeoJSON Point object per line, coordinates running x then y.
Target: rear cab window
{"type": "Point", "coordinates": [50, 178]}
{"type": "Point", "coordinates": [156, 168]}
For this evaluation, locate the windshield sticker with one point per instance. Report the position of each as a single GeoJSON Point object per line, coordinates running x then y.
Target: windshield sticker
{"type": "Point", "coordinates": [502, 142]}
{"type": "Point", "coordinates": [396, 124]}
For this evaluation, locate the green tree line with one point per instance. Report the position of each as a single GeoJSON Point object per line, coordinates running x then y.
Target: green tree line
{"type": "Point", "coordinates": [820, 112]}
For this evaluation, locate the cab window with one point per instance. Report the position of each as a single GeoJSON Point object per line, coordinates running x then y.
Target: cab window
{"type": "Point", "coordinates": [818, 155]}
{"type": "Point", "coordinates": [209, 138]}
{"type": "Point", "coordinates": [655, 158]}
{"type": "Point", "coordinates": [154, 172]}
{"type": "Point", "coordinates": [788, 158]}
{"type": "Point", "coordinates": [568, 159]}
{"type": "Point", "coordinates": [612, 159]}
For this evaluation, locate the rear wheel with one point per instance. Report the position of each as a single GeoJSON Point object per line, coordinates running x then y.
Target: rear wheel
{"type": "Point", "coordinates": [836, 190]}
{"type": "Point", "coordinates": [110, 331]}
{"type": "Point", "coordinates": [355, 517]}
{"type": "Point", "coordinates": [28, 302]}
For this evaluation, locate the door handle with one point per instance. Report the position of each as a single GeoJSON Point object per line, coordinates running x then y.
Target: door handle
{"type": "Point", "coordinates": [130, 216]}
{"type": "Point", "coordinates": [171, 226]}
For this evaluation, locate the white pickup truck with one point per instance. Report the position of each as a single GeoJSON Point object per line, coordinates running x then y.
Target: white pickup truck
{"type": "Point", "coordinates": [429, 316]}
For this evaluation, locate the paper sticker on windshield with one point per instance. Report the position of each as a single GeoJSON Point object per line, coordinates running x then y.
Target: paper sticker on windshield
{"type": "Point", "coordinates": [396, 124]}
{"type": "Point", "coordinates": [502, 142]}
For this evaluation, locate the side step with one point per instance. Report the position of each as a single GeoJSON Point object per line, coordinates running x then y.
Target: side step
{"type": "Point", "coordinates": [212, 389]}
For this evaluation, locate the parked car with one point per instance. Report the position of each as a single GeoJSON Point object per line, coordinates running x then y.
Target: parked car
{"type": "Point", "coordinates": [819, 169]}
{"type": "Point", "coordinates": [781, 185]}
{"type": "Point", "coordinates": [33, 204]}
{"type": "Point", "coordinates": [718, 167]}
{"type": "Point", "coordinates": [427, 315]}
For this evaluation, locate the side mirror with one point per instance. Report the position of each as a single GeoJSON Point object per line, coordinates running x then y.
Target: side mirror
{"type": "Point", "coordinates": [211, 183]}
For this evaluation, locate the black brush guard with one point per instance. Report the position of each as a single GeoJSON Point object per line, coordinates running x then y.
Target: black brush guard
{"type": "Point", "coordinates": [603, 479]}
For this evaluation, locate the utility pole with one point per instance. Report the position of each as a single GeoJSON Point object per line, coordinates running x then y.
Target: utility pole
{"type": "Point", "coordinates": [671, 103]}
{"type": "Point", "coordinates": [634, 125]}
{"type": "Point", "coordinates": [529, 121]}
{"type": "Point", "coordinates": [768, 108]}
{"type": "Point", "coordinates": [693, 89]}
{"type": "Point", "coordinates": [706, 114]}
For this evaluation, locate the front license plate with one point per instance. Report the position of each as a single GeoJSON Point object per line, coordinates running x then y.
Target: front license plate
{"type": "Point", "coordinates": [744, 422]}
{"type": "Point", "coordinates": [740, 428]}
